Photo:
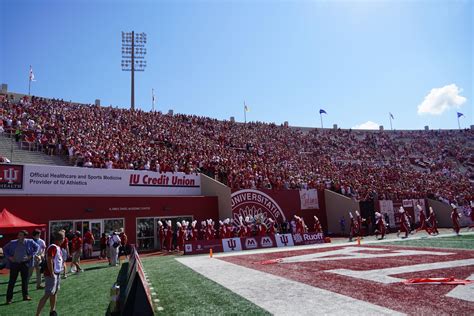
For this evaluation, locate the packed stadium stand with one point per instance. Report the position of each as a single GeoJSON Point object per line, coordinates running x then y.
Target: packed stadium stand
{"type": "Point", "coordinates": [360, 164]}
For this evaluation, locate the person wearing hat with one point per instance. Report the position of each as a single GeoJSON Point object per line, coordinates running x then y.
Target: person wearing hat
{"type": "Point", "coordinates": [352, 226]}
{"type": "Point", "coordinates": [433, 223]}
{"type": "Point", "coordinates": [380, 226]}
{"type": "Point", "coordinates": [455, 218]}
{"type": "Point", "coordinates": [422, 219]}
{"type": "Point", "coordinates": [114, 244]}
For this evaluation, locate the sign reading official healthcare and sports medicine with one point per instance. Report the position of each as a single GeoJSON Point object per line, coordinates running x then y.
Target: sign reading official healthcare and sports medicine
{"type": "Point", "coordinates": [55, 180]}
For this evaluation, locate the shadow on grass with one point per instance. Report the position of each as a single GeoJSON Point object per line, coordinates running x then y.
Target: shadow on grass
{"type": "Point", "coordinates": [121, 281]}
{"type": "Point", "coordinates": [97, 268]}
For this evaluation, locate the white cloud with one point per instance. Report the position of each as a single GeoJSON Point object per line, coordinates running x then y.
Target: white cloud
{"type": "Point", "coordinates": [441, 99]}
{"type": "Point", "coordinates": [367, 125]}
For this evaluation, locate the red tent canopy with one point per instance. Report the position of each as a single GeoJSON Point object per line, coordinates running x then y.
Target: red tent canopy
{"type": "Point", "coordinates": [10, 223]}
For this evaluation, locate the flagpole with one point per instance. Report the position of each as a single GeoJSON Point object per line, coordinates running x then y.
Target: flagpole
{"type": "Point", "coordinates": [29, 82]}
{"type": "Point", "coordinates": [152, 100]}
{"type": "Point", "coordinates": [321, 116]}
{"type": "Point", "coordinates": [390, 117]}
{"type": "Point", "coordinates": [459, 124]}
{"type": "Point", "coordinates": [245, 114]}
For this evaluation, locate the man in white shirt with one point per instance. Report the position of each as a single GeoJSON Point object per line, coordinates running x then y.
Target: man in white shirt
{"type": "Point", "coordinates": [114, 244]}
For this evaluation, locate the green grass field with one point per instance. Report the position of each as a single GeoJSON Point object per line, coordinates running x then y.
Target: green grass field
{"type": "Point", "coordinates": [459, 242]}
{"type": "Point", "coordinates": [82, 294]}
{"type": "Point", "coordinates": [183, 291]}
{"type": "Point", "coordinates": [180, 290]}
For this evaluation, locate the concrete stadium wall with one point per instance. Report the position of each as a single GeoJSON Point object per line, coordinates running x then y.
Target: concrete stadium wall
{"type": "Point", "coordinates": [337, 206]}
{"type": "Point", "coordinates": [211, 187]}
{"type": "Point", "coordinates": [442, 211]}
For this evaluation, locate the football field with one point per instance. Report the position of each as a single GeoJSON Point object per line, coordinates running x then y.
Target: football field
{"type": "Point", "coordinates": [338, 278]}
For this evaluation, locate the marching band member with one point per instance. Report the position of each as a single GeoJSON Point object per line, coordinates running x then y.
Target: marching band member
{"type": "Point", "coordinates": [433, 223]}
{"type": "Point", "coordinates": [455, 218]}
{"type": "Point", "coordinates": [422, 219]}
{"type": "Point", "coordinates": [317, 225]}
{"type": "Point", "coordinates": [161, 235]}
{"type": "Point", "coordinates": [380, 225]}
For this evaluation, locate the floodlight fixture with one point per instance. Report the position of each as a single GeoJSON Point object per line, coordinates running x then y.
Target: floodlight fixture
{"type": "Point", "coordinates": [133, 55]}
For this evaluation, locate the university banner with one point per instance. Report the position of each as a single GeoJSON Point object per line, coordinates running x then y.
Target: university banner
{"type": "Point", "coordinates": [57, 180]}
{"type": "Point", "coordinates": [309, 199]}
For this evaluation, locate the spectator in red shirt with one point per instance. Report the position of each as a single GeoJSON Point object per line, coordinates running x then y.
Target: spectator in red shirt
{"type": "Point", "coordinates": [88, 243]}
{"type": "Point", "coordinates": [103, 246]}
{"type": "Point", "coordinates": [77, 252]}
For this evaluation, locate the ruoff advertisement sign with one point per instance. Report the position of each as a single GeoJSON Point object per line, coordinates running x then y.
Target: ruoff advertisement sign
{"type": "Point", "coordinates": [55, 180]}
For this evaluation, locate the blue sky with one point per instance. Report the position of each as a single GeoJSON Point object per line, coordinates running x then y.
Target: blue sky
{"type": "Point", "coordinates": [358, 60]}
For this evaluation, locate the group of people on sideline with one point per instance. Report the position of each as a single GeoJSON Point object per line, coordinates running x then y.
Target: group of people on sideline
{"type": "Point", "coordinates": [23, 256]}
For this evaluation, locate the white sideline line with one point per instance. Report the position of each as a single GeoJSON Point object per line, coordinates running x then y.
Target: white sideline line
{"type": "Point", "coordinates": [278, 295]}
{"type": "Point", "coordinates": [367, 241]}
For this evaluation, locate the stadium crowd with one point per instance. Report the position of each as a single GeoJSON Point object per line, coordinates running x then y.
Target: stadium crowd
{"type": "Point", "coordinates": [360, 164]}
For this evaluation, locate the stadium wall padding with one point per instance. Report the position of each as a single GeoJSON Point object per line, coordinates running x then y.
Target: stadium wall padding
{"type": "Point", "coordinates": [443, 212]}
{"type": "Point", "coordinates": [211, 187]}
{"type": "Point", "coordinates": [337, 206]}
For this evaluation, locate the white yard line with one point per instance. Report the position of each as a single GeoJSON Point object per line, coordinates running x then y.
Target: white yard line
{"type": "Point", "coordinates": [463, 292]}
{"type": "Point", "coordinates": [278, 295]}
{"type": "Point", "coordinates": [366, 241]}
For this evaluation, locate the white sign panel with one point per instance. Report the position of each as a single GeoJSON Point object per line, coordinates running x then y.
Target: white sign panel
{"type": "Point", "coordinates": [386, 207]}
{"type": "Point", "coordinates": [309, 199]}
{"type": "Point", "coordinates": [55, 180]}
{"type": "Point", "coordinates": [231, 244]}
{"type": "Point", "coordinates": [284, 240]}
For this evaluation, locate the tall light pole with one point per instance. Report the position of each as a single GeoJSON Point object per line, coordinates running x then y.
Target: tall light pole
{"type": "Point", "coordinates": [133, 57]}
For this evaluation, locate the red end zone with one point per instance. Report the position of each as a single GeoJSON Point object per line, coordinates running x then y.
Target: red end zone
{"type": "Point", "coordinates": [375, 274]}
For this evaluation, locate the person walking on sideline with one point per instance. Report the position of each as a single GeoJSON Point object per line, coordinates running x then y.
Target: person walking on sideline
{"type": "Point", "coordinates": [114, 244]}
{"type": "Point", "coordinates": [20, 254]}
{"type": "Point", "coordinates": [38, 259]}
{"type": "Point", "coordinates": [52, 274]}
{"type": "Point", "coordinates": [76, 252]}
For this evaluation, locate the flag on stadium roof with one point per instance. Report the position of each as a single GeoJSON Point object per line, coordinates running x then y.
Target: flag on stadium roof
{"type": "Point", "coordinates": [460, 114]}
{"type": "Point", "coordinates": [391, 115]}
{"type": "Point", "coordinates": [246, 109]}
{"type": "Point", "coordinates": [32, 75]}
{"type": "Point", "coordinates": [321, 111]}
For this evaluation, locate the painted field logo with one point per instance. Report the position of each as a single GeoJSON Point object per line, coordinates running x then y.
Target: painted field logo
{"type": "Point", "coordinates": [11, 177]}
{"type": "Point", "coordinates": [254, 203]}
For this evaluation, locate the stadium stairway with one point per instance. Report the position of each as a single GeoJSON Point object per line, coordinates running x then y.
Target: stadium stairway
{"type": "Point", "coordinates": [25, 156]}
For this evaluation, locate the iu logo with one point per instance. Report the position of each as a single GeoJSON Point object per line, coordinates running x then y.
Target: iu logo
{"type": "Point", "coordinates": [188, 247]}
{"type": "Point", "coordinates": [11, 177]}
{"type": "Point", "coordinates": [232, 244]}
{"type": "Point", "coordinates": [284, 239]}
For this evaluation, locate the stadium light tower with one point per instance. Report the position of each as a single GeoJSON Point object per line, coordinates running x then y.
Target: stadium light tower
{"type": "Point", "coordinates": [133, 57]}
